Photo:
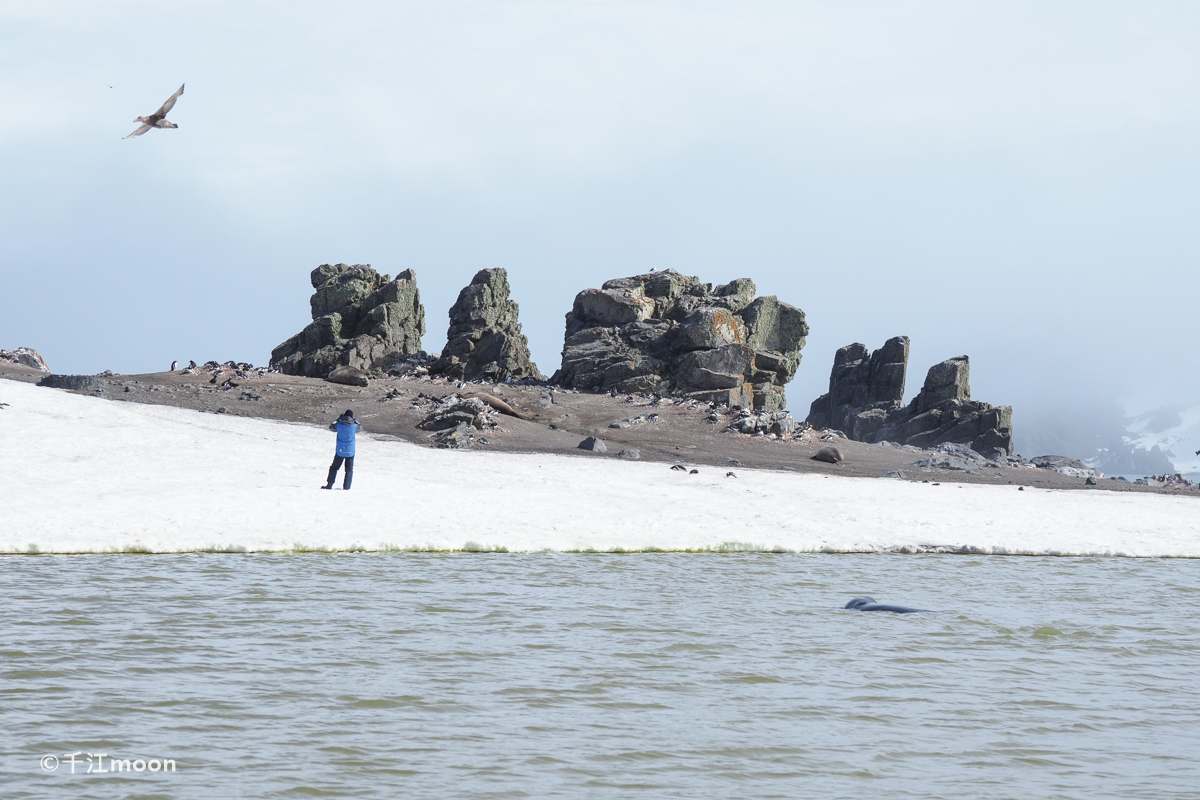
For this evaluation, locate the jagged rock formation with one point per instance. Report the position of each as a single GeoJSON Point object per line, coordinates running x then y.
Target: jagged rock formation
{"type": "Point", "coordinates": [26, 357]}
{"type": "Point", "coordinates": [360, 319]}
{"type": "Point", "coordinates": [665, 332]}
{"type": "Point", "coordinates": [866, 392]}
{"type": "Point", "coordinates": [484, 341]}
{"type": "Point", "coordinates": [862, 384]}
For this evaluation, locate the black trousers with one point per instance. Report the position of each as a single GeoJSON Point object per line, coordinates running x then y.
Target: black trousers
{"type": "Point", "coordinates": [333, 470]}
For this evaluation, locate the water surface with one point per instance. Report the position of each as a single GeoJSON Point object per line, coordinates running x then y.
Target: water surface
{"type": "Point", "coordinates": [569, 675]}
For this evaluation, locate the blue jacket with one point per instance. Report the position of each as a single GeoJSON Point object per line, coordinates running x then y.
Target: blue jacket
{"type": "Point", "coordinates": [346, 427]}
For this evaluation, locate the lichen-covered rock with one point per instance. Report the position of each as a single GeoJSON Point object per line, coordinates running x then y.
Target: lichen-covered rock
{"type": "Point", "coordinates": [484, 341]}
{"type": "Point", "coordinates": [361, 319]}
{"type": "Point", "coordinates": [865, 394]}
{"type": "Point", "coordinates": [26, 357]}
{"type": "Point", "coordinates": [666, 332]}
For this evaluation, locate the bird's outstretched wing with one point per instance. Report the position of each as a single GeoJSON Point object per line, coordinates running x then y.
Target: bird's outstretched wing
{"type": "Point", "coordinates": [167, 106]}
{"type": "Point", "coordinates": [139, 131]}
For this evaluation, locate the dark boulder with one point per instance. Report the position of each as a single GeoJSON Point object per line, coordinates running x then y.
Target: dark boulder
{"type": "Point", "coordinates": [75, 383]}
{"type": "Point", "coordinates": [361, 319]}
{"type": "Point", "coordinates": [666, 332]}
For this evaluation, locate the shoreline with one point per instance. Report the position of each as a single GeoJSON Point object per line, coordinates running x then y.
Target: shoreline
{"type": "Point", "coordinates": [682, 433]}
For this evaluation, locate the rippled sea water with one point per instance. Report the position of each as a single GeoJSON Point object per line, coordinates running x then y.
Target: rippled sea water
{"type": "Point", "coordinates": [555, 675]}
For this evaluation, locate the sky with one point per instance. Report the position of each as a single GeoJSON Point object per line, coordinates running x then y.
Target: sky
{"type": "Point", "coordinates": [1016, 181]}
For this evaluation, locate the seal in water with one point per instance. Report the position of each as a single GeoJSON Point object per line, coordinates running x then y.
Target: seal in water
{"type": "Point", "coordinates": [869, 604]}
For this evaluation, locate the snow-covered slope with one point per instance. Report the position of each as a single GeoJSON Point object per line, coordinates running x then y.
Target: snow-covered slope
{"type": "Point", "coordinates": [83, 474]}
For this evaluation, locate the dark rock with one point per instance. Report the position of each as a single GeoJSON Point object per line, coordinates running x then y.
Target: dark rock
{"type": "Point", "coordinates": [361, 319]}
{"type": "Point", "coordinates": [1091, 480]}
{"type": "Point", "coordinates": [76, 383]}
{"type": "Point", "coordinates": [484, 341]}
{"type": "Point", "coordinates": [1071, 467]}
{"type": "Point", "coordinates": [861, 383]}
{"type": "Point", "coordinates": [630, 454]}
{"type": "Point", "coordinates": [829, 454]}
{"type": "Point", "coordinates": [593, 444]}
{"type": "Point", "coordinates": [666, 332]}
{"type": "Point", "coordinates": [350, 376]}
{"type": "Point", "coordinates": [455, 411]}
{"type": "Point", "coordinates": [1054, 462]}
{"type": "Point", "coordinates": [460, 437]}
{"type": "Point", "coordinates": [865, 394]}
{"type": "Point", "coordinates": [779, 423]}
{"type": "Point", "coordinates": [26, 357]}
{"type": "Point", "coordinates": [1176, 481]}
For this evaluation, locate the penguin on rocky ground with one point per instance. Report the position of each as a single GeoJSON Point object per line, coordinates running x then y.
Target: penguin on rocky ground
{"type": "Point", "coordinates": [191, 365]}
{"type": "Point", "coordinates": [173, 365]}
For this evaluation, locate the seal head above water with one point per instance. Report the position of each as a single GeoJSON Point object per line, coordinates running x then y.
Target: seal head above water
{"type": "Point", "coordinates": [865, 603]}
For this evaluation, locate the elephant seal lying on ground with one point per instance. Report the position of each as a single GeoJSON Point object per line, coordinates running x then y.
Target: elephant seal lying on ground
{"type": "Point", "coordinates": [830, 455]}
{"type": "Point", "coordinates": [496, 403]}
{"type": "Point", "coordinates": [350, 376]}
{"type": "Point", "coordinates": [869, 604]}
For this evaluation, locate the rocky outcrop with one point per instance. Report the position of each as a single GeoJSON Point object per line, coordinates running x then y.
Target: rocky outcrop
{"type": "Point", "coordinates": [862, 383]}
{"type": "Point", "coordinates": [666, 332]}
{"type": "Point", "coordinates": [484, 342]}
{"type": "Point", "coordinates": [26, 357]}
{"type": "Point", "coordinates": [865, 402]}
{"type": "Point", "coordinates": [361, 319]}
{"type": "Point", "coordinates": [455, 410]}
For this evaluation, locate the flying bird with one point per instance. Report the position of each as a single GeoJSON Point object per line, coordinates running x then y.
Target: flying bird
{"type": "Point", "coordinates": [159, 118]}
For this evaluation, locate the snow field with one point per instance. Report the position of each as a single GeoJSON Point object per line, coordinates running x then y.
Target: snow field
{"type": "Point", "coordinates": [82, 474]}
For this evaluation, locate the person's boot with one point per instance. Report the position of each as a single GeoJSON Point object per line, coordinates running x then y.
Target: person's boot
{"type": "Point", "coordinates": [330, 479]}
{"type": "Point", "coordinates": [347, 480]}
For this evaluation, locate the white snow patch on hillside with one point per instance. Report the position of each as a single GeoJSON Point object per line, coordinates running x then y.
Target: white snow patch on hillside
{"type": "Point", "coordinates": [83, 474]}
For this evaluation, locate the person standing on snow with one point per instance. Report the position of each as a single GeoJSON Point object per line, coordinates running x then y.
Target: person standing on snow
{"type": "Point", "coordinates": [346, 426]}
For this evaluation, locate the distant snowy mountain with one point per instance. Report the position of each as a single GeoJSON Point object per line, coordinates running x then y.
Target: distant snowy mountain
{"type": "Point", "coordinates": [1173, 430]}
{"type": "Point", "coordinates": [1106, 438]}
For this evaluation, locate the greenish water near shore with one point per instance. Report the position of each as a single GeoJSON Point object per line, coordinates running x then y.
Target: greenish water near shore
{"type": "Point", "coordinates": [575, 675]}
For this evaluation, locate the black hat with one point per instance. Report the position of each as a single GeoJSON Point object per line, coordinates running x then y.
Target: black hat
{"type": "Point", "coordinates": [348, 413]}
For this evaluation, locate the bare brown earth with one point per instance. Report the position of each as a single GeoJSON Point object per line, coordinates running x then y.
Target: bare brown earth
{"type": "Point", "coordinates": [682, 433]}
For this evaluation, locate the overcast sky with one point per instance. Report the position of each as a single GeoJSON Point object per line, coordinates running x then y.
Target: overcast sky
{"type": "Point", "coordinates": [1019, 182]}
